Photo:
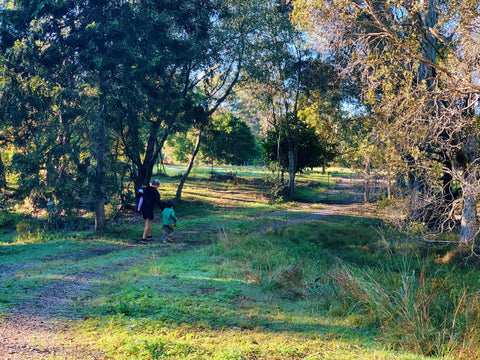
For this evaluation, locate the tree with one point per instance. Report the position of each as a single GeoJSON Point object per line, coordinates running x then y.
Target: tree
{"type": "Point", "coordinates": [311, 152]}
{"type": "Point", "coordinates": [419, 70]}
{"type": "Point", "coordinates": [3, 179]}
{"type": "Point", "coordinates": [275, 77]}
{"type": "Point", "coordinates": [40, 98]}
{"type": "Point", "coordinates": [233, 45]}
{"type": "Point", "coordinates": [167, 41]}
{"type": "Point", "coordinates": [62, 61]}
{"type": "Point", "coordinates": [201, 120]}
{"type": "Point", "coordinates": [98, 59]}
{"type": "Point", "coordinates": [179, 146]}
{"type": "Point", "coordinates": [229, 140]}
{"type": "Point", "coordinates": [321, 96]}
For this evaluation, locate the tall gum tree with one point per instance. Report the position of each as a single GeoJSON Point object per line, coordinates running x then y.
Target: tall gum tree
{"type": "Point", "coordinates": [274, 83]}
{"type": "Point", "coordinates": [418, 62]}
{"type": "Point", "coordinates": [232, 46]}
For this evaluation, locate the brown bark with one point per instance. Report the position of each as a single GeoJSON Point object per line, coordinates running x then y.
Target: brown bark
{"type": "Point", "coordinates": [469, 225]}
{"type": "Point", "coordinates": [100, 221]}
{"type": "Point", "coordinates": [178, 195]}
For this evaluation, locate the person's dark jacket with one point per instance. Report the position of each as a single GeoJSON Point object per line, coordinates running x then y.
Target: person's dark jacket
{"type": "Point", "coordinates": [151, 197]}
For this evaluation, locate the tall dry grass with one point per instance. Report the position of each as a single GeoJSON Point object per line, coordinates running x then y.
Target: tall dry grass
{"type": "Point", "coordinates": [431, 314]}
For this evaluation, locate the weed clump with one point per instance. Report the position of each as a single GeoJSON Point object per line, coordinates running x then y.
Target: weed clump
{"type": "Point", "coordinates": [289, 280]}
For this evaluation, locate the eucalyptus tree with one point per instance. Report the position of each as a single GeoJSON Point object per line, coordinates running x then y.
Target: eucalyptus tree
{"type": "Point", "coordinates": [274, 81]}
{"type": "Point", "coordinates": [419, 64]}
{"type": "Point", "coordinates": [233, 29]}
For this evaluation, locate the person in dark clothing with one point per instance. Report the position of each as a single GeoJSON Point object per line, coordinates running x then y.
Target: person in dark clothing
{"type": "Point", "coordinates": [151, 197]}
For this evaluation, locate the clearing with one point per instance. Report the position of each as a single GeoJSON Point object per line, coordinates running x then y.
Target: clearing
{"type": "Point", "coordinates": [43, 325]}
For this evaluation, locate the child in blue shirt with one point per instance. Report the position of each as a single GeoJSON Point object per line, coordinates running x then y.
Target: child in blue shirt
{"type": "Point", "coordinates": [169, 222]}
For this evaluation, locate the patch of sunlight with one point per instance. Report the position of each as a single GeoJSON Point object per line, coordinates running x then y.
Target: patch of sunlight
{"type": "Point", "coordinates": [207, 278]}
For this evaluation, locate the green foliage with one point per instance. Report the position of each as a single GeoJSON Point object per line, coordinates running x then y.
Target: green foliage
{"type": "Point", "coordinates": [3, 177]}
{"type": "Point", "coordinates": [29, 232]}
{"type": "Point", "coordinates": [311, 152]}
{"type": "Point", "coordinates": [180, 146]}
{"type": "Point", "coordinates": [228, 140]}
{"type": "Point", "coordinates": [8, 219]}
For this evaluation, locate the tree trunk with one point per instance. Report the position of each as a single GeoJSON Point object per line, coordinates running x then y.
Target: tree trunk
{"type": "Point", "coordinates": [3, 181]}
{"type": "Point", "coordinates": [280, 155]}
{"type": "Point", "coordinates": [426, 74]}
{"type": "Point", "coordinates": [429, 21]}
{"type": "Point", "coordinates": [292, 135]}
{"type": "Point", "coordinates": [184, 177]}
{"type": "Point", "coordinates": [469, 226]}
{"type": "Point", "coordinates": [291, 173]}
{"type": "Point", "coordinates": [100, 221]}
{"type": "Point", "coordinates": [145, 170]}
{"type": "Point", "coordinates": [389, 183]}
{"type": "Point", "coordinates": [366, 193]}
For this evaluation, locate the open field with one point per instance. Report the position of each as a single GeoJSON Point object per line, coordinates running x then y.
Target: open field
{"type": "Point", "coordinates": [244, 279]}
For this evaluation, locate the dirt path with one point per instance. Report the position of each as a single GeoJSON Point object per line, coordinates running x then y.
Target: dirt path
{"type": "Point", "coordinates": [41, 327]}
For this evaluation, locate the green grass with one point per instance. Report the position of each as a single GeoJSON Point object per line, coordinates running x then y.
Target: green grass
{"type": "Point", "coordinates": [325, 289]}
{"type": "Point", "coordinates": [240, 297]}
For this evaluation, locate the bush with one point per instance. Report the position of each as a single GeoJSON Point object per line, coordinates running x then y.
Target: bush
{"type": "Point", "coordinates": [29, 232]}
{"type": "Point", "coordinates": [7, 219]}
{"type": "Point", "coordinates": [431, 314]}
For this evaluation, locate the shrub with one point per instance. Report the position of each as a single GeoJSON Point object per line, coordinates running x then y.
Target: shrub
{"type": "Point", "coordinates": [29, 232]}
{"type": "Point", "coordinates": [431, 314]}
{"type": "Point", "coordinates": [7, 219]}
